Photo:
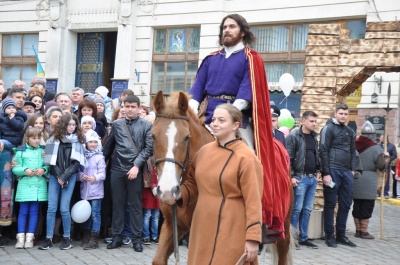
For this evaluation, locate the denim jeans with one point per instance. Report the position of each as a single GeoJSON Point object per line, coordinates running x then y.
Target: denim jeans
{"type": "Point", "coordinates": [25, 209]}
{"type": "Point", "coordinates": [154, 214]}
{"type": "Point", "coordinates": [95, 219]}
{"type": "Point", "coordinates": [343, 193]}
{"type": "Point", "coordinates": [304, 194]}
{"type": "Point", "coordinates": [64, 194]}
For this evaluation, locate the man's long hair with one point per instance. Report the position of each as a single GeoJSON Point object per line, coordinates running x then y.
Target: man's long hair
{"type": "Point", "coordinates": [248, 38]}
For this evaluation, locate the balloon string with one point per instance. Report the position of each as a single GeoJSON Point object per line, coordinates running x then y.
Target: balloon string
{"type": "Point", "coordinates": [87, 190]}
{"type": "Point", "coordinates": [283, 100]}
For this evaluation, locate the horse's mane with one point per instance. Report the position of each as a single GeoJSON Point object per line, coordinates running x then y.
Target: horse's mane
{"type": "Point", "coordinates": [172, 108]}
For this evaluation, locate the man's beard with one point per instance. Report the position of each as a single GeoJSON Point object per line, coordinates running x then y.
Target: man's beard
{"type": "Point", "coordinates": [232, 41]}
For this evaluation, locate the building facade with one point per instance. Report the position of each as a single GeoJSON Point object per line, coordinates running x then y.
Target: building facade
{"type": "Point", "coordinates": [151, 45]}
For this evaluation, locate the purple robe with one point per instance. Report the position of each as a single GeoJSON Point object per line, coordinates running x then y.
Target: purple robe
{"type": "Point", "coordinates": [218, 76]}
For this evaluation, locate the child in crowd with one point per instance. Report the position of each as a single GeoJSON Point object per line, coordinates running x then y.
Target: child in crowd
{"type": "Point", "coordinates": [11, 125]}
{"type": "Point", "coordinates": [151, 209]}
{"type": "Point", "coordinates": [92, 188]}
{"type": "Point", "coordinates": [37, 121]}
{"type": "Point", "coordinates": [32, 185]}
{"type": "Point", "coordinates": [87, 123]}
{"type": "Point", "coordinates": [150, 205]}
{"type": "Point", "coordinates": [64, 153]}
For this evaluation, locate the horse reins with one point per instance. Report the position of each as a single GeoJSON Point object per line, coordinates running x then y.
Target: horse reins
{"type": "Point", "coordinates": [183, 167]}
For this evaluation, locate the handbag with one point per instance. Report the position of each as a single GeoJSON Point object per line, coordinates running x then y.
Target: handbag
{"type": "Point", "coordinates": [148, 166]}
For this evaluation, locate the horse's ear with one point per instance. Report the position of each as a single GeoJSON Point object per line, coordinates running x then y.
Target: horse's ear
{"type": "Point", "coordinates": [183, 103]}
{"type": "Point", "coordinates": [158, 102]}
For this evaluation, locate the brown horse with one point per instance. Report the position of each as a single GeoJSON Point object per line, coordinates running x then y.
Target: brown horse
{"type": "Point", "coordinates": [178, 134]}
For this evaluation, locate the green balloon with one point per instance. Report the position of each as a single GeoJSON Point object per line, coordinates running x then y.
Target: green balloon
{"type": "Point", "coordinates": [286, 121]}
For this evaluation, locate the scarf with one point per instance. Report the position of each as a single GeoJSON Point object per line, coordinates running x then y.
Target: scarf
{"type": "Point", "coordinates": [90, 153]}
{"type": "Point", "coordinates": [363, 143]}
{"type": "Point", "coordinates": [52, 145]}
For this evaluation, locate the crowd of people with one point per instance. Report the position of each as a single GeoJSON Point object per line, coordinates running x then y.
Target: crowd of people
{"type": "Point", "coordinates": [65, 147]}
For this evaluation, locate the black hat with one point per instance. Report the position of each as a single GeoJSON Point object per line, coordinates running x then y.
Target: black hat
{"type": "Point", "coordinates": [275, 112]}
{"type": "Point", "coordinates": [30, 103]}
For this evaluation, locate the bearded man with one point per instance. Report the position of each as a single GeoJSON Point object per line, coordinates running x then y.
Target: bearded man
{"type": "Point", "coordinates": [236, 74]}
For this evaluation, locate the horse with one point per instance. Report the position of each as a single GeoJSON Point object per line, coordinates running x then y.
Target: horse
{"type": "Point", "coordinates": [178, 134]}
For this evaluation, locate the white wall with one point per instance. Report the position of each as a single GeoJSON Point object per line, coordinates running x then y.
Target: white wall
{"type": "Point", "coordinates": [21, 17]}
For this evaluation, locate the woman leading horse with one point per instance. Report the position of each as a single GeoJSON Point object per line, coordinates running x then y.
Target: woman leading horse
{"type": "Point", "coordinates": [178, 135]}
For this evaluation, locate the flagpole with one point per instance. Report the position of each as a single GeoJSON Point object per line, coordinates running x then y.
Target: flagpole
{"type": "Point", "coordinates": [385, 175]}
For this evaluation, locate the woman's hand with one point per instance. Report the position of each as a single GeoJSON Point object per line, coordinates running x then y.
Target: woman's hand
{"type": "Point", "coordinates": [251, 249]}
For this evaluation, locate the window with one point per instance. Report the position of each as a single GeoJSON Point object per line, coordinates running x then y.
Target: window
{"type": "Point", "coordinates": [357, 29]}
{"type": "Point", "coordinates": [17, 58]}
{"type": "Point", "coordinates": [175, 59]}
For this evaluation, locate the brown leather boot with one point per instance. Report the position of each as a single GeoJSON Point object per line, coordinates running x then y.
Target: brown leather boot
{"type": "Point", "coordinates": [93, 242]}
{"type": "Point", "coordinates": [358, 227]}
{"type": "Point", "coordinates": [364, 229]}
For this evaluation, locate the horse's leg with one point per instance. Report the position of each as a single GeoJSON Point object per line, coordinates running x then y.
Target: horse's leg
{"type": "Point", "coordinates": [165, 244]}
{"type": "Point", "coordinates": [285, 247]}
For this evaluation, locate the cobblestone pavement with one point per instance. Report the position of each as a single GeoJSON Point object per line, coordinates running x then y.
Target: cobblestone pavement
{"type": "Point", "coordinates": [367, 252]}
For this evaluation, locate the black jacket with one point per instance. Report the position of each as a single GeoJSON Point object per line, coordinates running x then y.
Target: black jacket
{"type": "Point", "coordinates": [119, 144]}
{"type": "Point", "coordinates": [296, 147]}
{"type": "Point", "coordinates": [13, 130]}
{"type": "Point", "coordinates": [337, 147]}
{"type": "Point", "coordinates": [278, 135]}
{"type": "Point", "coordinates": [65, 167]}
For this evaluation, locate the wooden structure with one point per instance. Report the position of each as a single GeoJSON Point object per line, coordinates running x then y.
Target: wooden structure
{"type": "Point", "coordinates": [336, 65]}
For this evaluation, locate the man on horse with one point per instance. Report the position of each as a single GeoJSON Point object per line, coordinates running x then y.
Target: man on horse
{"type": "Point", "coordinates": [236, 74]}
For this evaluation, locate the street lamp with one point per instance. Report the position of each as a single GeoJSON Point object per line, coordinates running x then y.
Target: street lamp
{"type": "Point", "coordinates": [374, 96]}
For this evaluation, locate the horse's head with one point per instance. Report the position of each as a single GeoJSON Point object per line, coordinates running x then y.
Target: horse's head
{"type": "Point", "coordinates": [171, 133]}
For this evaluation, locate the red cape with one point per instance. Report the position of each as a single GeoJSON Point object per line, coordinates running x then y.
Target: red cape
{"type": "Point", "coordinates": [273, 156]}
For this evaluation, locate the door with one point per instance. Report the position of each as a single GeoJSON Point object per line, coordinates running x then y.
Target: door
{"type": "Point", "coordinates": [89, 61]}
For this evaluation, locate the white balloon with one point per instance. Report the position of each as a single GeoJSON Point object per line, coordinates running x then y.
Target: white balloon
{"type": "Point", "coordinates": [286, 83]}
{"type": "Point", "coordinates": [81, 211]}
{"type": "Point", "coordinates": [285, 113]}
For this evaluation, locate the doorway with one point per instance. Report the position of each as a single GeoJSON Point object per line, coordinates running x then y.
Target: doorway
{"type": "Point", "coordinates": [95, 60]}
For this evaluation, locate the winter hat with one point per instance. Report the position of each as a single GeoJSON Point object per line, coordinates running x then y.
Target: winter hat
{"type": "Point", "coordinates": [89, 118]}
{"type": "Point", "coordinates": [99, 100]}
{"type": "Point", "coordinates": [50, 104]}
{"type": "Point", "coordinates": [8, 102]}
{"type": "Point", "coordinates": [102, 91]}
{"type": "Point", "coordinates": [91, 136]}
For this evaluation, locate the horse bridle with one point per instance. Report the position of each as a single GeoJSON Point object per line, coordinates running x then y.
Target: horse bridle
{"type": "Point", "coordinates": [166, 159]}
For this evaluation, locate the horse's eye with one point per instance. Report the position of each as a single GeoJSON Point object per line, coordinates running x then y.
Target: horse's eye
{"type": "Point", "coordinates": [187, 137]}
